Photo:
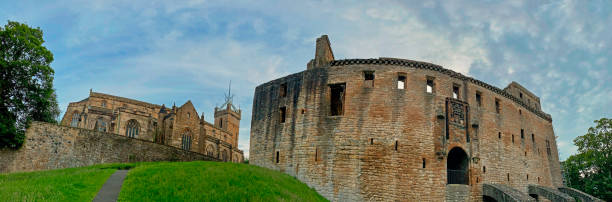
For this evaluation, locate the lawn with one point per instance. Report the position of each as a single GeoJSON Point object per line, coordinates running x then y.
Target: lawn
{"type": "Point", "coordinates": [72, 184]}
{"type": "Point", "coordinates": [159, 181]}
{"type": "Point", "coordinates": [212, 181]}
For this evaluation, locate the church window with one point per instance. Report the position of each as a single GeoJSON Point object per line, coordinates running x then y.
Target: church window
{"type": "Point", "coordinates": [430, 85]}
{"type": "Point", "coordinates": [283, 114]}
{"type": "Point", "coordinates": [186, 141]}
{"type": "Point", "coordinates": [283, 90]}
{"type": "Point", "coordinates": [132, 128]}
{"type": "Point", "coordinates": [75, 119]}
{"type": "Point", "coordinates": [337, 99]}
{"type": "Point", "coordinates": [368, 78]}
{"type": "Point", "coordinates": [401, 81]}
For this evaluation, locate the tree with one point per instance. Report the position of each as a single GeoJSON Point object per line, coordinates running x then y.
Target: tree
{"type": "Point", "coordinates": [26, 82]}
{"type": "Point", "coordinates": [591, 169]}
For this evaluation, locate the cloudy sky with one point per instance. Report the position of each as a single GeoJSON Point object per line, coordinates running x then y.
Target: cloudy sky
{"type": "Point", "coordinates": [164, 52]}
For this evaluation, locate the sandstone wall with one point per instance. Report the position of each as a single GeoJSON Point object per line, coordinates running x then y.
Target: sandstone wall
{"type": "Point", "coordinates": [353, 156]}
{"type": "Point", "coordinates": [50, 146]}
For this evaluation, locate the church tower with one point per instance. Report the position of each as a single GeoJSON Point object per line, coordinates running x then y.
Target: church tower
{"type": "Point", "coordinates": [227, 117]}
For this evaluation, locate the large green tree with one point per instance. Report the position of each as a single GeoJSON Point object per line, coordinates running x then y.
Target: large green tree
{"type": "Point", "coordinates": [26, 82]}
{"type": "Point", "coordinates": [591, 169]}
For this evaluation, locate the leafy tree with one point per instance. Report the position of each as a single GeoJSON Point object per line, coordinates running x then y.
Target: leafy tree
{"type": "Point", "coordinates": [591, 169]}
{"type": "Point", "coordinates": [26, 82]}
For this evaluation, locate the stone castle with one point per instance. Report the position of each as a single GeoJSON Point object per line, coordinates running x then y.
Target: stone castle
{"type": "Point", "coordinates": [176, 126]}
{"type": "Point", "coordinates": [391, 129]}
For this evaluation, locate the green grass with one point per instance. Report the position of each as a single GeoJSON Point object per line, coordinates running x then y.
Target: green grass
{"type": "Point", "coordinates": [212, 181]}
{"type": "Point", "coordinates": [72, 184]}
{"type": "Point", "coordinates": [159, 181]}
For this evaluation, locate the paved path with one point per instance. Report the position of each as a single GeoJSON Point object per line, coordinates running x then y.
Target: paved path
{"type": "Point", "coordinates": [110, 189]}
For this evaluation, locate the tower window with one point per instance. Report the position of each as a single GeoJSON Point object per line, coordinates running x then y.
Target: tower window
{"type": "Point", "coordinates": [508, 174]}
{"type": "Point", "coordinates": [396, 145]}
{"type": "Point", "coordinates": [221, 123]}
{"type": "Point", "coordinates": [512, 138]}
{"type": "Point", "coordinates": [277, 156]}
{"type": "Point", "coordinates": [520, 112]}
{"type": "Point", "coordinates": [522, 134]}
{"type": "Point", "coordinates": [424, 162]}
{"type": "Point", "coordinates": [479, 99]}
{"type": "Point", "coordinates": [371, 141]}
{"type": "Point", "coordinates": [430, 85]}
{"type": "Point", "coordinates": [337, 99]}
{"type": "Point", "coordinates": [521, 95]}
{"type": "Point", "coordinates": [532, 138]}
{"type": "Point", "coordinates": [455, 91]}
{"type": "Point", "coordinates": [103, 103]}
{"type": "Point", "coordinates": [368, 77]}
{"type": "Point", "coordinates": [497, 106]}
{"type": "Point", "coordinates": [484, 169]}
{"type": "Point", "coordinates": [283, 90]}
{"type": "Point", "coordinates": [499, 135]}
{"type": "Point", "coordinates": [401, 81]}
{"type": "Point", "coordinates": [283, 114]}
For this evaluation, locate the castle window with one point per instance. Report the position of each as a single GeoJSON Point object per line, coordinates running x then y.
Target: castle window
{"type": "Point", "coordinates": [430, 85]}
{"type": "Point", "coordinates": [75, 119]}
{"type": "Point", "coordinates": [277, 156]}
{"type": "Point", "coordinates": [221, 123]}
{"type": "Point", "coordinates": [512, 138]}
{"type": "Point", "coordinates": [484, 169]}
{"type": "Point", "coordinates": [283, 114]}
{"type": "Point", "coordinates": [527, 176]}
{"type": "Point", "coordinates": [395, 145]}
{"type": "Point", "coordinates": [522, 134]}
{"type": "Point", "coordinates": [479, 99]}
{"type": "Point", "coordinates": [424, 162]}
{"type": "Point", "coordinates": [508, 174]}
{"type": "Point", "coordinates": [456, 91]}
{"type": "Point", "coordinates": [188, 115]}
{"type": "Point", "coordinates": [103, 103]}
{"type": "Point", "coordinates": [401, 81]}
{"type": "Point", "coordinates": [499, 135]}
{"type": "Point", "coordinates": [497, 106]}
{"type": "Point", "coordinates": [368, 77]}
{"type": "Point", "coordinates": [100, 125]}
{"type": "Point", "coordinates": [337, 99]}
{"type": "Point", "coordinates": [520, 112]}
{"type": "Point", "coordinates": [186, 141]}
{"type": "Point", "coordinates": [317, 154]}
{"type": "Point", "coordinates": [132, 128]}
{"type": "Point", "coordinates": [371, 141]}
{"type": "Point", "coordinates": [283, 90]}
{"type": "Point", "coordinates": [532, 138]}
{"type": "Point", "coordinates": [548, 149]}
{"type": "Point", "coordinates": [521, 95]}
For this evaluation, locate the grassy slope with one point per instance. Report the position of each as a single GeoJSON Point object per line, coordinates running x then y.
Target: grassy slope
{"type": "Point", "coordinates": [73, 184]}
{"type": "Point", "coordinates": [212, 181]}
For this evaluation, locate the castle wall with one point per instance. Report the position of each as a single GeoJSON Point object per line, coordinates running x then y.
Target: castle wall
{"type": "Point", "coordinates": [353, 156]}
{"type": "Point", "coordinates": [50, 146]}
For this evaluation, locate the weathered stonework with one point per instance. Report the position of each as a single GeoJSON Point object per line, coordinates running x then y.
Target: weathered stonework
{"type": "Point", "coordinates": [177, 126]}
{"type": "Point", "coordinates": [50, 146]}
{"type": "Point", "coordinates": [393, 143]}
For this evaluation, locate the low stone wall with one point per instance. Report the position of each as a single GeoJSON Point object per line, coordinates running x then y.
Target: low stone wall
{"type": "Point", "coordinates": [50, 146]}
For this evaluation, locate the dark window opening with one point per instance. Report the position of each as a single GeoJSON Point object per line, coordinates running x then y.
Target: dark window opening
{"type": "Point", "coordinates": [497, 106]}
{"type": "Point", "coordinates": [548, 149]}
{"type": "Point", "coordinates": [337, 99]}
{"type": "Point", "coordinates": [277, 156]}
{"type": "Point", "coordinates": [538, 179]}
{"type": "Point", "coordinates": [508, 174]}
{"type": "Point", "coordinates": [317, 154]}
{"type": "Point", "coordinates": [455, 92]}
{"type": "Point", "coordinates": [371, 141]}
{"type": "Point", "coordinates": [303, 111]}
{"type": "Point", "coordinates": [522, 134]}
{"type": "Point", "coordinates": [484, 169]}
{"type": "Point", "coordinates": [430, 85]}
{"type": "Point", "coordinates": [527, 176]}
{"type": "Point", "coordinates": [479, 99]}
{"type": "Point", "coordinates": [283, 114]}
{"type": "Point", "coordinates": [525, 153]}
{"type": "Point", "coordinates": [368, 77]}
{"type": "Point", "coordinates": [477, 180]}
{"type": "Point", "coordinates": [513, 138]}
{"type": "Point", "coordinates": [521, 95]}
{"type": "Point", "coordinates": [395, 145]}
{"type": "Point", "coordinates": [283, 90]}
{"type": "Point", "coordinates": [499, 135]}
{"type": "Point", "coordinates": [401, 82]}
{"type": "Point", "coordinates": [221, 123]}
{"type": "Point", "coordinates": [532, 138]}
{"type": "Point", "coordinates": [520, 112]}
{"type": "Point", "coordinates": [424, 162]}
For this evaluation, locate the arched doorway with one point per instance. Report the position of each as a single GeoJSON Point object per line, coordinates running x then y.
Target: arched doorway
{"type": "Point", "coordinates": [457, 166]}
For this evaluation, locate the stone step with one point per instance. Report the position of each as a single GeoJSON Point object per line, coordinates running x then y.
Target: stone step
{"type": "Point", "coordinates": [457, 192]}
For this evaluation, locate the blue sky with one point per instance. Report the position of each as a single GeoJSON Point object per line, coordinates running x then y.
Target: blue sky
{"type": "Point", "coordinates": [173, 51]}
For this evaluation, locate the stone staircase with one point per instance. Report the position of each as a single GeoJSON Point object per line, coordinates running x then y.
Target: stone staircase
{"type": "Point", "coordinates": [457, 192]}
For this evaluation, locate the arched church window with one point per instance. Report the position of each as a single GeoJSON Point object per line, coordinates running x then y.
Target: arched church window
{"type": "Point", "coordinates": [75, 119]}
{"type": "Point", "coordinates": [186, 141]}
{"type": "Point", "coordinates": [132, 129]}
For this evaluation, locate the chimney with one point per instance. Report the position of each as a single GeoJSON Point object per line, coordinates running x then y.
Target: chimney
{"type": "Point", "coordinates": [323, 53]}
